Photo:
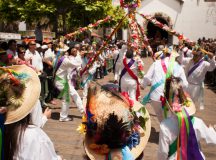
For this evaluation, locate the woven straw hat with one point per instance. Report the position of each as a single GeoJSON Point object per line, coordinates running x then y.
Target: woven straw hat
{"type": "Point", "coordinates": [30, 94]}
{"type": "Point", "coordinates": [104, 103]}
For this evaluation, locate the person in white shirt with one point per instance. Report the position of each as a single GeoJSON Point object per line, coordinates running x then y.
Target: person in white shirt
{"type": "Point", "coordinates": [129, 81]}
{"type": "Point", "coordinates": [38, 118]}
{"type": "Point", "coordinates": [23, 140]}
{"type": "Point", "coordinates": [118, 58]}
{"type": "Point", "coordinates": [62, 81]}
{"type": "Point", "coordinates": [172, 132]}
{"type": "Point", "coordinates": [195, 70]}
{"type": "Point", "coordinates": [49, 59]}
{"type": "Point", "coordinates": [88, 75]}
{"type": "Point", "coordinates": [34, 57]}
{"type": "Point", "coordinates": [155, 77]}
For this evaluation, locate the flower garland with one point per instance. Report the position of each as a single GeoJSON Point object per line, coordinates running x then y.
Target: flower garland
{"type": "Point", "coordinates": [90, 26]}
{"type": "Point", "coordinates": [166, 28]}
{"type": "Point", "coordinates": [130, 3]}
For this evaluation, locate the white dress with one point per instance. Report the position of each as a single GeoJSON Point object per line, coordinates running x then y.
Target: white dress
{"type": "Point", "coordinates": [36, 145]}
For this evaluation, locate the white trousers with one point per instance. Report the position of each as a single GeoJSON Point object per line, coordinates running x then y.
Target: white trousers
{"type": "Point", "coordinates": [158, 110]}
{"type": "Point", "coordinates": [201, 98]}
{"type": "Point", "coordinates": [196, 93]}
{"type": "Point", "coordinates": [85, 88]}
{"type": "Point", "coordinates": [117, 72]}
{"type": "Point", "coordinates": [65, 105]}
{"type": "Point", "coordinates": [130, 87]}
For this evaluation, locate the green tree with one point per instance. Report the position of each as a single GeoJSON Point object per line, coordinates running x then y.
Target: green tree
{"type": "Point", "coordinates": [63, 15]}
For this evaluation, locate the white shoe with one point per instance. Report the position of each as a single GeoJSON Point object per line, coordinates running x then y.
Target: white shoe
{"type": "Point", "coordinates": [202, 107]}
{"type": "Point", "coordinates": [65, 119]}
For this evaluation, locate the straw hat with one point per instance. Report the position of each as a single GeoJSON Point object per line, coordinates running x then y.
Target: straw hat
{"type": "Point", "coordinates": [11, 81]}
{"type": "Point", "coordinates": [101, 103]}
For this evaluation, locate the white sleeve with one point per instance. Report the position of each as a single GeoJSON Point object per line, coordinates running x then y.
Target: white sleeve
{"type": "Point", "coordinates": [37, 116]}
{"type": "Point", "coordinates": [148, 77]}
{"type": "Point", "coordinates": [71, 63]}
{"type": "Point", "coordinates": [204, 132]}
{"type": "Point", "coordinates": [41, 64]}
{"type": "Point", "coordinates": [163, 148]}
{"type": "Point", "coordinates": [211, 65]}
{"type": "Point", "coordinates": [93, 68]}
{"type": "Point", "coordinates": [183, 78]}
{"type": "Point", "coordinates": [27, 56]}
{"type": "Point", "coordinates": [183, 60]}
{"type": "Point", "coordinates": [36, 145]}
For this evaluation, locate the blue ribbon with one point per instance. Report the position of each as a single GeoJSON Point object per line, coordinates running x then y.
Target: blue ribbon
{"type": "Point", "coordinates": [155, 86]}
{"type": "Point", "coordinates": [126, 153]}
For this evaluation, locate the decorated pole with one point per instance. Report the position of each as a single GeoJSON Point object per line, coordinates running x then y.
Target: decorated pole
{"type": "Point", "coordinates": [145, 40]}
{"type": "Point", "coordinates": [103, 47]}
{"type": "Point", "coordinates": [90, 26]}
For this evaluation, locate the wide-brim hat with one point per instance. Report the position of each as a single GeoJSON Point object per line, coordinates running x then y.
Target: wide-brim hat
{"type": "Point", "coordinates": [136, 151]}
{"type": "Point", "coordinates": [30, 94]}
{"type": "Point", "coordinates": [62, 47]}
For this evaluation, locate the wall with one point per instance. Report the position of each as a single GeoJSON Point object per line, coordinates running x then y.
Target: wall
{"type": "Point", "coordinates": [193, 18]}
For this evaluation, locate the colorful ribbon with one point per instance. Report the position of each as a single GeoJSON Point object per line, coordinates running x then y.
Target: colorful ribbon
{"type": "Point", "coordinates": [2, 120]}
{"type": "Point", "coordinates": [65, 91]}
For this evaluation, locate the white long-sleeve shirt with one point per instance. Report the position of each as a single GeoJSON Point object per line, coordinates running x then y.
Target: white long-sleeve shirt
{"type": "Point", "coordinates": [198, 75]}
{"type": "Point", "coordinates": [68, 64]}
{"type": "Point", "coordinates": [36, 145]}
{"type": "Point", "coordinates": [36, 59]}
{"type": "Point", "coordinates": [133, 68]}
{"type": "Point", "coordinates": [169, 132]}
{"type": "Point", "coordinates": [155, 74]}
{"type": "Point", "coordinates": [37, 116]}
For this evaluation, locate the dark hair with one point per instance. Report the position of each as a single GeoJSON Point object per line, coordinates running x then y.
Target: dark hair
{"type": "Point", "coordinates": [129, 53]}
{"type": "Point", "coordinates": [10, 42]}
{"type": "Point", "coordinates": [13, 136]}
{"type": "Point", "coordinates": [168, 86]}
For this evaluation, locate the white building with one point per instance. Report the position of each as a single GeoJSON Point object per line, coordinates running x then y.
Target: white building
{"type": "Point", "coordinates": [193, 18]}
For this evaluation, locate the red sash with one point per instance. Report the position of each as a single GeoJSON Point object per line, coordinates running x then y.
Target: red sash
{"type": "Point", "coordinates": [130, 72]}
{"type": "Point", "coordinates": [164, 66]}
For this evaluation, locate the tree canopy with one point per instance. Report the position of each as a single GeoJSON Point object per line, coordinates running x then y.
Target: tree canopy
{"type": "Point", "coordinates": [65, 14]}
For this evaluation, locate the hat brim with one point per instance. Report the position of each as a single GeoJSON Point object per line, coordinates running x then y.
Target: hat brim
{"type": "Point", "coordinates": [30, 96]}
{"type": "Point", "coordinates": [191, 110]}
{"type": "Point", "coordinates": [136, 151]}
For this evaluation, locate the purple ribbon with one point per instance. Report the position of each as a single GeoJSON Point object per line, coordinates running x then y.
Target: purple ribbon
{"type": "Point", "coordinates": [124, 71]}
{"type": "Point", "coordinates": [195, 67]}
{"type": "Point", "coordinates": [74, 75]}
{"type": "Point", "coordinates": [193, 152]}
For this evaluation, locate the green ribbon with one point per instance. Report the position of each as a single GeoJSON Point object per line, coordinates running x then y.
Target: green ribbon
{"type": "Point", "coordinates": [65, 91]}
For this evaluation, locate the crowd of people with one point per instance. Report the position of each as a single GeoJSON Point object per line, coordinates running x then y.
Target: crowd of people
{"type": "Point", "coordinates": [176, 79]}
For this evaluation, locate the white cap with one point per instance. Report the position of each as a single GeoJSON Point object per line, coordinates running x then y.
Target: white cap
{"type": "Point", "coordinates": [44, 47]}
{"type": "Point", "coordinates": [38, 45]}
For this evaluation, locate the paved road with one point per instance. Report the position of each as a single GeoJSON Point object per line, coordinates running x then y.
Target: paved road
{"type": "Point", "coordinates": [68, 142]}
